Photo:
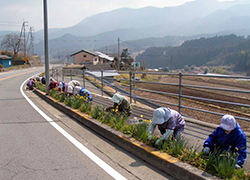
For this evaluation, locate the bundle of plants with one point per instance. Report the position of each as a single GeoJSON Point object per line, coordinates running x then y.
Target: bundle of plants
{"type": "Point", "coordinates": [77, 101]}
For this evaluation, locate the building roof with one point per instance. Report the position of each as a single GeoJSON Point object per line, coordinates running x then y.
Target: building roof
{"type": "Point", "coordinates": [4, 57]}
{"type": "Point", "coordinates": [87, 51]}
{"type": "Point", "coordinates": [96, 53]}
{"type": "Point", "coordinates": [105, 73]}
{"type": "Point", "coordinates": [104, 56]}
{"type": "Point", "coordinates": [98, 67]}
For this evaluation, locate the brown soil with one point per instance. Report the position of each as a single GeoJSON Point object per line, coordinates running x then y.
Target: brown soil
{"type": "Point", "coordinates": [236, 97]}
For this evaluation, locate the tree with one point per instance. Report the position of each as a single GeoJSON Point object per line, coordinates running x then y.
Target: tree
{"type": "Point", "coordinates": [126, 58]}
{"type": "Point", "coordinates": [11, 42]}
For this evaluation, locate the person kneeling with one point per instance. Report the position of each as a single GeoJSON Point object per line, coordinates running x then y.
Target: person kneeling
{"type": "Point", "coordinates": [121, 105]}
{"type": "Point", "coordinates": [169, 122]}
{"type": "Point", "coordinates": [228, 136]}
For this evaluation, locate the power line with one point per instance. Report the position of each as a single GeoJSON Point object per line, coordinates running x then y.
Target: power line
{"type": "Point", "coordinates": [9, 23]}
{"type": "Point", "coordinates": [132, 44]}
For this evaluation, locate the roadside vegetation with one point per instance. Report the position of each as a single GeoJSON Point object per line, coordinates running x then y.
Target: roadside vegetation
{"type": "Point", "coordinates": [218, 163]}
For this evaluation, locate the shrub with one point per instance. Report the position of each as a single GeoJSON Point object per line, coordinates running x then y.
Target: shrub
{"type": "Point", "coordinates": [186, 68]}
{"type": "Point", "coordinates": [217, 70]}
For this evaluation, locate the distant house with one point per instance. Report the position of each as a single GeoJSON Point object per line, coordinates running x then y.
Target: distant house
{"type": "Point", "coordinates": [6, 61]}
{"type": "Point", "coordinates": [89, 57]}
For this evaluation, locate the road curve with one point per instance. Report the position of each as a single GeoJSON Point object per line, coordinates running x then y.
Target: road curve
{"type": "Point", "coordinates": [50, 145]}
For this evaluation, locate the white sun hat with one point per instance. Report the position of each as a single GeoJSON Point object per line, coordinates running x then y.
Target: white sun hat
{"type": "Point", "coordinates": [158, 117]}
{"type": "Point", "coordinates": [70, 89]}
{"type": "Point", "coordinates": [117, 98]}
{"type": "Point", "coordinates": [167, 113]}
{"type": "Point", "coordinates": [228, 122]}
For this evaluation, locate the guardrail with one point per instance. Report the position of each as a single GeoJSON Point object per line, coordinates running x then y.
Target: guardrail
{"type": "Point", "coordinates": [129, 85]}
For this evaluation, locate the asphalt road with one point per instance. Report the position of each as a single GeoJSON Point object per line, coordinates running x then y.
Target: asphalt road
{"type": "Point", "coordinates": [50, 145]}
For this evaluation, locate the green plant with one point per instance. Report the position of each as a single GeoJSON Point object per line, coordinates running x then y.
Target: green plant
{"type": "Point", "coordinates": [53, 93]}
{"type": "Point", "coordinates": [97, 112]}
{"type": "Point", "coordinates": [222, 163]}
{"type": "Point", "coordinates": [190, 154]}
{"type": "Point", "coordinates": [119, 122]}
{"type": "Point", "coordinates": [41, 87]}
{"type": "Point", "coordinates": [85, 107]}
{"type": "Point", "coordinates": [128, 129]}
{"type": "Point", "coordinates": [67, 101]}
{"type": "Point", "coordinates": [140, 132]}
{"type": "Point", "coordinates": [108, 118]}
{"type": "Point", "coordinates": [177, 146]}
{"type": "Point", "coordinates": [76, 102]}
{"type": "Point", "coordinates": [226, 164]}
{"type": "Point", "coordinates": [62, 97]}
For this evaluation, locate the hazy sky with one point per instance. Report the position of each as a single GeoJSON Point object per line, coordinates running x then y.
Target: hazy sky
{"type": "Point", "coordinates": [65, 13]}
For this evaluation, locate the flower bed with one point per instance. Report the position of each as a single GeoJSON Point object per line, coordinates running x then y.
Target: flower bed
{"type": "Point", "coordinates": [217, 163]}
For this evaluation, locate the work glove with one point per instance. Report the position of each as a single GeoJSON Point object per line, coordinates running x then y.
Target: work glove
{"type": "Point", "coordinates": [158, 141]}
{"type": "Point", "coordinates": [206, 150]}
{"type": "Point", "coordinates": [150, 136]}
{"type": "Point", "coordinates": [237, 166]}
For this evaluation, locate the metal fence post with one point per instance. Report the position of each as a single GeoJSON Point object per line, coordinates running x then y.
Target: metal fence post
{"type": "Point", "coordinates": [130, 85]}
{"type": "Point", "coordinates": [180, 91]}
{"type": "Point", "coordinates": [102, 81]}
{"type": "Point", "coordinates": [57, 74]}
{"type": "Point", "coordinates": [84, 78]}
{"type": "Point", "coordinates": [71, 74]}
{"type": "Point", "coordinates": [62, 75]}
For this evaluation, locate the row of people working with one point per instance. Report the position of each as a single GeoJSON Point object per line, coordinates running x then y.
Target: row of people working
{"type": "Point", "coordinates": [71, 88]}
{"type": "Point", "coordinates": [227, 136]}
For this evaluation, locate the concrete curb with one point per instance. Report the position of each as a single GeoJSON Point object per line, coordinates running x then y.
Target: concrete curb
{"type": "Point", "coordinates": [162, 161]}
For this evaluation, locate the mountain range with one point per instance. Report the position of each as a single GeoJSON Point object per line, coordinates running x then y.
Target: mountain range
{"type": "Point", "coordinates": [200, 18]}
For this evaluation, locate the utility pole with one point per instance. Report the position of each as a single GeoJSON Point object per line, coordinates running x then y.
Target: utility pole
{"type": "Point", "coordinates": [24, 38]}
{"type": "Point", "coordinates": [171, 63]}
{"type": "Point", "coordinates": [118, 54]}
{"type": "Point", "coordinates": [22, 34]}
{"type": "Point", "coordinates": [46, 46]}
{"type": "Point", "coordinates": [31, 45]}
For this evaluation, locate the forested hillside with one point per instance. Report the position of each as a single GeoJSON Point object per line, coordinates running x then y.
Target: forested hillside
{"type": "Point", "coordinates": [215, 51]}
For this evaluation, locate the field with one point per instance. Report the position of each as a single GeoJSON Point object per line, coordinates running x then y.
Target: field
{"type": "Point", "coordinates": [235, 97]}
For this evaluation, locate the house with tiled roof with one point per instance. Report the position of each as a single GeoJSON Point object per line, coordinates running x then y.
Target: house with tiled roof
{"type": "Point", "coordinates": [91, 57]}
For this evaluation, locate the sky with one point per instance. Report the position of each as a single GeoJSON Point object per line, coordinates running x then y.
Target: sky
{"type": "Point", "coordinates": [65, 13]}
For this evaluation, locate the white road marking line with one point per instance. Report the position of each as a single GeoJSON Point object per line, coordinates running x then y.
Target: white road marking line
{"type": "Point", "coordinates": [80, 146]}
